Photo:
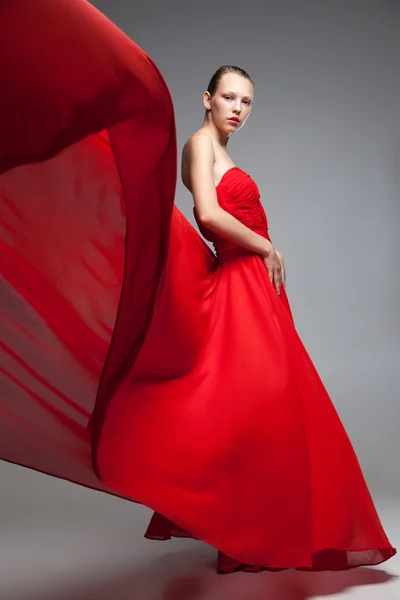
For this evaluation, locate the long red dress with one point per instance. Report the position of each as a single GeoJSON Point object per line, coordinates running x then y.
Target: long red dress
{"type": "Point", "coordinates": [133, 359]}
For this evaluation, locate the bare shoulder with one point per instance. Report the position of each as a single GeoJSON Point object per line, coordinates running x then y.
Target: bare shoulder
{"type": "Point", "coordinates": [197, 155]}
{"type": "Point", "coordinates": [198, 142]}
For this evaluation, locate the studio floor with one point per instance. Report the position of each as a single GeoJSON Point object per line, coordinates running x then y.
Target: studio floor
{"type": "Point", "coordinates": [62, 542]}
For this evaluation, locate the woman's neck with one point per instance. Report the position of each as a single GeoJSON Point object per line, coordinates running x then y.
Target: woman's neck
{"type": "Point", "coordinates": [218, 137]}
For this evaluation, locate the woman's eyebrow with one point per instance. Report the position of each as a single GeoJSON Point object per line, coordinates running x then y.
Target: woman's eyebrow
{"type": "Point", "coordinates": [234, 93]}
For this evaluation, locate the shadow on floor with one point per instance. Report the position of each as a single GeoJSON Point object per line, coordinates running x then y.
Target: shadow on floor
{"type": "Point", "coordinates": [190, 575]}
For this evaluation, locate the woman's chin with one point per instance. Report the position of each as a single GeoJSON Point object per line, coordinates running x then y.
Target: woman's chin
{"type": "Point", "coordinates": [230, 128]}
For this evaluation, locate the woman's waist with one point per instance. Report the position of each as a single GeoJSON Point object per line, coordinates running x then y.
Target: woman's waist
{"type": "Point", "coordinates": [229, 250]}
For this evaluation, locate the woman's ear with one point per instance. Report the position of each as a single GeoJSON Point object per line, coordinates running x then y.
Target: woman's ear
{"type": "Point", "coordinates": [207, 100]}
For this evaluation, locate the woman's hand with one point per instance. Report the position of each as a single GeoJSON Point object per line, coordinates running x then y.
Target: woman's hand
{"type": "Point", "coordinates": [276, 268]}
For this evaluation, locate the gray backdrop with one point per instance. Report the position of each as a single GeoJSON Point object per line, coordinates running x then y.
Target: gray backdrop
{"type": "Point", "coordinates": [323, 144]}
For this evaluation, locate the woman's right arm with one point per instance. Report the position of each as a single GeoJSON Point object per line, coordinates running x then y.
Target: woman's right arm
{"type": "Point", "coordinates": [200, 155]}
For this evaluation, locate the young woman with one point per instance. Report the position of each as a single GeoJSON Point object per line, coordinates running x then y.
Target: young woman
{"type": "Point", "coordinates": [135, 360]}
{"type": "Point", "coordinates": [283, 486]}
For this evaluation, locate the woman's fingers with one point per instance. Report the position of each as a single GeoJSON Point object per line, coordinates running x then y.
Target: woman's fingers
{"type": "Point", "coordinates": [283, 273]}
{"type": "Point", "coordinates": [283, 268]}
{"type": "Point", "coordinates": [278, 278]}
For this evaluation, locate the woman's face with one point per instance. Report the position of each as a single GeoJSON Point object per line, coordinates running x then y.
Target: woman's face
{"type": "Point", "coordinates": [231, 104]}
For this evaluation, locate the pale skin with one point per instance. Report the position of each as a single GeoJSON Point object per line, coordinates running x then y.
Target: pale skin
{"type": "Point", "coordinates": [205, 160]}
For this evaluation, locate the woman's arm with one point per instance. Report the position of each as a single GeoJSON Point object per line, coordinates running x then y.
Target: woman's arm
{"type": "Point", "coordinates": [200, 154]}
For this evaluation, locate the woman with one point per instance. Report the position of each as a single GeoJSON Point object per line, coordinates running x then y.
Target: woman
{"type": "Point", "coordinates": [208, 408]}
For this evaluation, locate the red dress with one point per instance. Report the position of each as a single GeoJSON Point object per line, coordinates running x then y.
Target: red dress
{"type": "Point", "coordinates": [134, 360]}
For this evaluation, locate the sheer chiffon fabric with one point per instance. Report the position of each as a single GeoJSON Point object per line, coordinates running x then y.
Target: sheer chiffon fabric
{"type": "Point", "coordinates": [88, 175]}
{"type": "Point", "coordinates": [133, 360]}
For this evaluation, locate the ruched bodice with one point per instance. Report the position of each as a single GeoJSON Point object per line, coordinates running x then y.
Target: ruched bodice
{"type": "Point", "coordinates": [238, 195]}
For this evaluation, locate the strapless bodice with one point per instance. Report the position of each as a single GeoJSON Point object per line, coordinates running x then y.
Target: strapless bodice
{"type": "Point", "coordinates": [238, 195]}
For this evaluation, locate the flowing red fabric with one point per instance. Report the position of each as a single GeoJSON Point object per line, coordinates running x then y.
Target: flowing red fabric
{"type": "Point", "coordinates": [134, 360]}
{"type": "Point", "coordinates": [88, 163]}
